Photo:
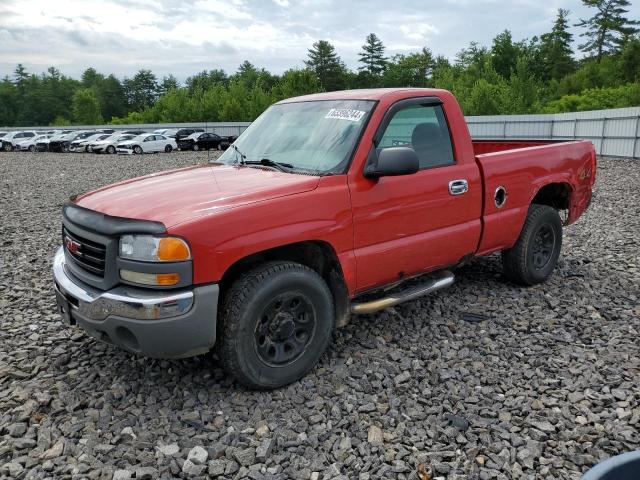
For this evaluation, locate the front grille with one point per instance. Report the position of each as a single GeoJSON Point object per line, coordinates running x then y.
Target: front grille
{"type": "Point", "coordinates": [86, 254]}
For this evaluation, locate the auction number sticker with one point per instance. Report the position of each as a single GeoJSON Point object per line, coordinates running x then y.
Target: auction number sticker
{"type": "Point", "coordinates": [345, 114]}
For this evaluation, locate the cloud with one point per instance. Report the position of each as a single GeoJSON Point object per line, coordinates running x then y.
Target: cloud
{"type": "Point", "coordinates": [174, 36]}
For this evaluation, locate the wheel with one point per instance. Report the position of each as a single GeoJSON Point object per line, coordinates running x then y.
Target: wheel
{"type": "Point", "coordinates": [32, 148]}
{"type": "Point", "coordinates": [276, 322]}
{"type": "Point", "coordinates": [534, 256]}
{"type": "Point", "coordinates": [168, 148]}
{"type": "Point", "coordinates": [195, 147]}
{"type": "Point", "coordinates": [137, 149]}
{"type": "Point", "coordinates": [7, 147]}
{"type": "Point", "coordinates": [64, 148]}
{"type": "Point", "coordinates": [111, 149]}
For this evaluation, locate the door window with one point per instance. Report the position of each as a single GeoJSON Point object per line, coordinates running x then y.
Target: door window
{"type": "Point", "coordinates": [423, 128]}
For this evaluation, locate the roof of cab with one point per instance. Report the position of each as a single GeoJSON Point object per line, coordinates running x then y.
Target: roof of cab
{"type": "Point", "coordinates": [365, 94]}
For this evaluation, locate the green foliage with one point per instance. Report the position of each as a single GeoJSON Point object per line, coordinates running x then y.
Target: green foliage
{"type": "Point", "coordinates": [86, 107]}
{"type": "Point", "coordinates": [597, 98]}
{"type": "Point", "coordinates": [372, 56]}
{"type": "Point", "coordinates": [327, 66]}
{"type": "Point", "coordinates": [608, 28]}
{"type": "Point", "coordinates": [555, 54]}
{"type": "Point", "coordinates": [526, 76]}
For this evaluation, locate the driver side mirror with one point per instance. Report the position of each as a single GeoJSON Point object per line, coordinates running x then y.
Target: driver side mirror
{"type": "Point", "coordinates": [392, 162]}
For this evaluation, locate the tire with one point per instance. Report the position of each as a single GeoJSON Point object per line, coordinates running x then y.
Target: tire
{"type": "Point", "coordinates": [7, 147]}
{"type": "Point", "coordinates": [276, 322]}
{"type": "Point", "coordinates": [111, 149]}
{"type": "Point", "coordinates": [195, 147]}
{"type": "Point", "coordinates": [137, 150]}
{"type": "Point", "coordinates": [64, 148]}
{"type": "Point", "coordinates": [168, 149]}
{"type": "Point", "coordinates": [32, 148]}
{"type": "Point", "coordinates": [535, 255]}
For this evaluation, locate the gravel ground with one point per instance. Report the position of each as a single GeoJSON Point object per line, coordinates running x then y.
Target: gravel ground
{"type": "Point", "coordinates": [544, 387]}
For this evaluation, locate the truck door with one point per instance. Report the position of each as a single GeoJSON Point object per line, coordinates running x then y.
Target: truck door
{"type": "Point", "coordinates": [410, 224]}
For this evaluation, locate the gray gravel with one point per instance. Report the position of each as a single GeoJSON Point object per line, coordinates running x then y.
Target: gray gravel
{"type": "Point", "coordinates": [545, 387]}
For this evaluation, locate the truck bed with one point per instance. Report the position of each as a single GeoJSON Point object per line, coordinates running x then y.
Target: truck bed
{"type": "Point", "coordinates": [522, 168]}
{"type": "Point", "coordinates": [480, 147]}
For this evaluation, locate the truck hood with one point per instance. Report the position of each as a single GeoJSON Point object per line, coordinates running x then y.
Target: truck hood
{"type": "Point", "coordinates": [177, 196]}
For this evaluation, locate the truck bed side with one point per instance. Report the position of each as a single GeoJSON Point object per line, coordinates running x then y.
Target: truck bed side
{"type": "Point", "coordinates": [523, 172]}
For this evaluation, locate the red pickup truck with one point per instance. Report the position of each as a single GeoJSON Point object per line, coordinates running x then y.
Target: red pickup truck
{"type": "Point", "coordinates": [321, 206]}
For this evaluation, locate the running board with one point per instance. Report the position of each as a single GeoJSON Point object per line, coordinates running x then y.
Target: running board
{"type": "Point", "coordinates": [442, 280]}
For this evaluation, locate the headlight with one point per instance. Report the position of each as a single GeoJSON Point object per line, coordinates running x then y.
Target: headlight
{"type": "Point", "coordinates": [146, 248]}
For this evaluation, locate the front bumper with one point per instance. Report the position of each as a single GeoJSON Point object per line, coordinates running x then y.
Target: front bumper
{"type": "Point", "coordinates": [153, 323]}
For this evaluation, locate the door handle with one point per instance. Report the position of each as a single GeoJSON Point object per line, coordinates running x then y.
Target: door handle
{"type": "Point", "coordinates": [458, 187]}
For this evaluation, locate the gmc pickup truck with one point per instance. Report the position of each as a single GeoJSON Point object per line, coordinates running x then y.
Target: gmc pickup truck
{"type": "Point", "coordinates": [320, 209]}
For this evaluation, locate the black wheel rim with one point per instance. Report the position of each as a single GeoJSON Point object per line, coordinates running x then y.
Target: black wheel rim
{"type": "Point", "coordinates": [543, 245]}
{"type": "Point", "coordinates": [284, 329]}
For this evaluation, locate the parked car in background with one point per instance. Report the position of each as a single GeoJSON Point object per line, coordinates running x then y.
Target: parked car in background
{"type": "Point", "coordinates": [160, 131]}
{"type": "Point", "coordinates": [82, 145]}
{"type": "Point", "coordinates": [200, 141]}
{"type": "Point", "coordinates": [108, 145]}
{"type": "Point", "coordinates": [10, 140]}
{"type": "Point", "coordinates": [60, 143]}
{"type": "Point", "coordinates": [134, 132]}
{"type": "Point", "coordinates": [146, 143]}
{"type": "Point", "coordinates": [30, 143]}
{"type": "Point", "coordinates": [178, 133]}
{"type": "Point", "coordinates": [227, 141]}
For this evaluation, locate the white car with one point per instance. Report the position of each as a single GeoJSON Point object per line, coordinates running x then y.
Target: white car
{"type": "Point", "coordinates": [81, 144]}
{"type": "Point", "coordinates": [10, 140]}
{"type": "Point", "coordinates": [30, 143]}
{"type": "Point", "coordinates": [146, 143]}
{"type": "Point", "coordinates": [108, 145]}
{"type": "Point", "coordinates": [160, 131]}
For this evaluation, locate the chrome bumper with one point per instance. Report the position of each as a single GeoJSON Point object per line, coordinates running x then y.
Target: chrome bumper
{"type": "Point", "coordinates": [122, 301]}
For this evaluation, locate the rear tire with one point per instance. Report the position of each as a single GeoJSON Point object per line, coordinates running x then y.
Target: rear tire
{"type": "Point", "coordinates": [111, 149]}
{"type": "Point", "coordinates": [535, 255]}
{"type": "Point", "coordinates": [137, 150]}
{"type": "Point", "coordinates": [276, 322]}
{"type": "Point", "coordinates": [168, 149]}
{"type": "Point", "coordinates": [32, 148]}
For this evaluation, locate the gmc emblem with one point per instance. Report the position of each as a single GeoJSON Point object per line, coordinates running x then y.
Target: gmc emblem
{"type": "Point", "coordinates": [72, 245]}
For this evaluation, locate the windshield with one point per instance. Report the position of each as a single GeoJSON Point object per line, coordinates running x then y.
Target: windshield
{"type": "Point", "coordinates": [316, 137]}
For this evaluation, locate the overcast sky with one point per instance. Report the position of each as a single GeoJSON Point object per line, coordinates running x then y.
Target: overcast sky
{"type": "Point", "coordinates": [184, 36]}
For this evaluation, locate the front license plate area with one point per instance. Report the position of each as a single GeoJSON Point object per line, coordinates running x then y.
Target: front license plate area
{"type": "Point", "coordinates": [64, 308]}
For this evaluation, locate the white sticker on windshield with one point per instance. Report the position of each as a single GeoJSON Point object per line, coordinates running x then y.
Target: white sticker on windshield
{"type": "Point", "coordinates": [345, 114]}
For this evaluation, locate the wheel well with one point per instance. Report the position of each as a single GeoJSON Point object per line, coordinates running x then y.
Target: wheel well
{"type": "Point", "coordinates": [317, 255]}
{"type": "Point", "coordinates": [556, 195]}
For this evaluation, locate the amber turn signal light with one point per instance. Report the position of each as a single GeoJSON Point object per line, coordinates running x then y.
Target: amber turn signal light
{"type": "Point", "coordinates": [172, 249]}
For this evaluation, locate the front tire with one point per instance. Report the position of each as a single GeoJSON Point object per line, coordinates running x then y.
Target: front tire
{"type": "Point", "coordinates": [137, 150]}
{"type": "Point", "coordinates": [111, 149]}
{"type": "Point", "coordinates": [168, 149]}
{"type": "Point", "coordinates": [276, 322]}
{"type": "Point", "coordinates": [535, 255]}
{"type": "Point", "coordinates": [32, 148]}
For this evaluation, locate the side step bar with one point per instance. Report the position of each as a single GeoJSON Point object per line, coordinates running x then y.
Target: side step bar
{"type": "Point", "coordinates": [442, 280]}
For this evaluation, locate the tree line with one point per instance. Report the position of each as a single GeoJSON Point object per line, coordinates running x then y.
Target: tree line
{"type": "Point", "coordinates": [537, 75]}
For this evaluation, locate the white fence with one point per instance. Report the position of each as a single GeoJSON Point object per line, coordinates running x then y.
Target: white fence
{"type": "Point", "coordinates": [614, 132]}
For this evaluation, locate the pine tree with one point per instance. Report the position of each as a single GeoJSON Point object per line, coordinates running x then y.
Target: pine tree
{"type": "Point", "coordinates": [327, 65]}
{"type": "Point", "coordinates": [607, 29]}
{"type": "Point", "coordinates": [372, 56]}
{"type": "Point", "coordinates": [555, 48]}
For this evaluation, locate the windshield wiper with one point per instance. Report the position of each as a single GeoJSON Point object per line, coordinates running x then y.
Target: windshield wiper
{"type": "Point", "coordinates": [242, 156]}
{"type": "Point", "coordinates": [283, 167]}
